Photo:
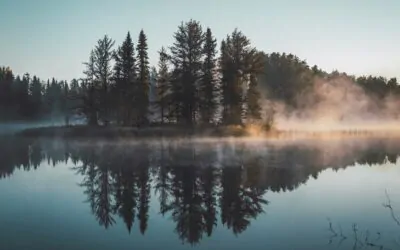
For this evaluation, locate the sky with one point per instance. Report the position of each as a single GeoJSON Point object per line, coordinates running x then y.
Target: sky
{"type": "Point", "coordinates": [52, 38]}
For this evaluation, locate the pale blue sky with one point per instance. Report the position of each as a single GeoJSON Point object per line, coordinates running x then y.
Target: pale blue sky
{"type": "Point", "coordinates": [53, 37]}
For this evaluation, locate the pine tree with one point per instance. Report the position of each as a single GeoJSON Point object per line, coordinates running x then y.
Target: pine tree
{"type": "Point", "coordinates": [103, 74]}
{"type": "Point", "coordinates": [163, 82]}
{"type": "Point", "coordinates": [186, 57]}
{"type": "Point", "coordinates": [208, 83]}
{"type": "Point", "coordinates": [125, 74]}
{"type": "Point", "coordinates": [142, 88]}
{"type": "Point", "coordinates": [238, 61]}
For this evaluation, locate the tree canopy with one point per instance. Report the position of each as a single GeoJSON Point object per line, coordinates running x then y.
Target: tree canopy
{"type": "Point", "coordinates": [193, 83]}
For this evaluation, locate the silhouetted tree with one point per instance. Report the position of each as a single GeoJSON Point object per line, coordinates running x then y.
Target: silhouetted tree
{"type": "Point", "coordinates": [125, 74]}
{"type": "Point", "coordinates": [142, 87]}
{"type": "Point", "coordinates": [103, 74]}
{"type": "Point", "coordinates": [186, 58]}
{"type": "Point", "coordinates": [208, 94]}
{"type": "Point", "coordinates": [238, 62]}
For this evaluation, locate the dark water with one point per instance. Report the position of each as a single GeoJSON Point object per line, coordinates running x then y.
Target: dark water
{"type": "Point", "coordinates": [207, 195]}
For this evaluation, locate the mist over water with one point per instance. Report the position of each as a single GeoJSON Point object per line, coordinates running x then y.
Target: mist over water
{"type": "Point", "coordinates": [14, 127]}
{"type": "Point", "coordinates": [198, 193]}
{"type": "Point", "coordinates": [338, 104]}
{"type": "Point", "coordinates": [8, 128]}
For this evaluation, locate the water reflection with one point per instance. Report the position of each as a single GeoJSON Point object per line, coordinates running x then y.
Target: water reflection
{"type": "Point", "coordinates": [195, 184]}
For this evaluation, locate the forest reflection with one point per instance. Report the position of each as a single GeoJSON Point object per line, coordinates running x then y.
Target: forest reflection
{"type": "Point", "coordinates": [196, 184]}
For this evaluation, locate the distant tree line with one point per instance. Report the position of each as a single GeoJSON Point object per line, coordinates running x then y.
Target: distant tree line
{"type": "Point", "coordinates": [29, 98]}
{"type": "Point", "coordinates": [192, 84]}
{"type": "Point", "coordinates": [286, 77]}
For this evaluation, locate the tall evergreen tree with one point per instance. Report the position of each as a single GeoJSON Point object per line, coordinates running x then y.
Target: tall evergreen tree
{"type": "Point", "coordinates": [208, 82]}
{"type": "Point", "coordinates": [186, 57]}
{"type": "Point", "coordinates": [142, 88]}
{"type": "Point", "coordinates": [125, 74]}
{"type": "Point", "coordinates": [103, 73]}
{"type": "Point", "coordinates": [238, 61]}
{"type": "Point", "coordinates": [163, 82]}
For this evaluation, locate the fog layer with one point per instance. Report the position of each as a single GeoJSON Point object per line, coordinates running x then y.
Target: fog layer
{"type": "Point", "coordinates": [337, 104]}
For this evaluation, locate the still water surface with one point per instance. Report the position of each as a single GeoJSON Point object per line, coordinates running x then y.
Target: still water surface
{"type": "Point", "coordinates": [308, 194]}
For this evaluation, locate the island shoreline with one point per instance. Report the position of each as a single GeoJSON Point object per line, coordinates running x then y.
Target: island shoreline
{"type": "Point", "coordinates": [116, 132]}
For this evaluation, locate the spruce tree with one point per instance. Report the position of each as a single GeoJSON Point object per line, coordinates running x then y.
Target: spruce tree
{"type": "Point", "coordinates": [103, 74]}
{"type": "Point", "coordinates": [186, 58]}
{"type": "Point", "coordinates": [125, 74]}
{"type": "Point", "coordinates": [208, 82]}
{"type": "Point", "coordinates": [143, 82]}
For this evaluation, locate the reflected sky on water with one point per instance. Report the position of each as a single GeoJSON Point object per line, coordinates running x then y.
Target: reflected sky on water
{"type": "Point", "coordinates": [199, 194]}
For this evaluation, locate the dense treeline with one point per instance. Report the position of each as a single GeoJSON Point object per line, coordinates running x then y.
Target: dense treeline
{"type": "Point", "coordinates": [30, 98]}
{"type": "Point", "coordinates": [193, 83]}
{"type": "Point", "coordinates": [287, 78]}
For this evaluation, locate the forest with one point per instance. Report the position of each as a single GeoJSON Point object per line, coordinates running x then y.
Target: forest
{"type": "Point", "coordinates": [197, 81]}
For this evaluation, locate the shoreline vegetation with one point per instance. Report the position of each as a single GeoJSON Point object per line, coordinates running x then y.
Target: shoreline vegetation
{"type": "Point", "coordinates": [175, 131]}
{"type": "Point", "coordinates": [154, 131]}
{"type": "Point", "coordinates": [199, 87]}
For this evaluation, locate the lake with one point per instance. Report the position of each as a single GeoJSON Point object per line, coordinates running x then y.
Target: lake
{"type": "Point", "coordinates": [204, 194]}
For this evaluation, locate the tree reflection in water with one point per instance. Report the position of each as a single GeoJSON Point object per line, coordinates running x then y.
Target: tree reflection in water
{"type": "Point", "coordinates": [195, 183]}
